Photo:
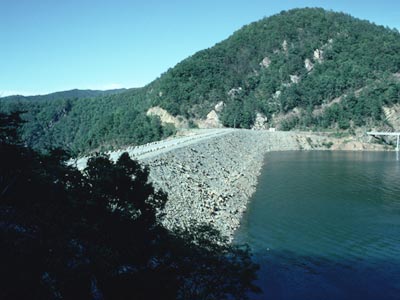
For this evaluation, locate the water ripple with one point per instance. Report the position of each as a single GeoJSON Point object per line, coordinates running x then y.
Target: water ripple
{"type": "Point", "coordinates": [327, 226]}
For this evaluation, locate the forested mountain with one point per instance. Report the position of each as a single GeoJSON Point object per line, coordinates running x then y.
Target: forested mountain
{"type": "Point", "coordinates": [84, 124]}
{"type": "Point", "coordinates": [303, 68]}
{"type": "Point", "coordinates": [71, 94]}
{"type": "Point", "coordinates": [302, 59]}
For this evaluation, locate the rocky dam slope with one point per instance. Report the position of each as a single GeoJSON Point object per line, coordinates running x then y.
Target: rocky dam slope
{"type": "Point", "coordinates": [210, 176]}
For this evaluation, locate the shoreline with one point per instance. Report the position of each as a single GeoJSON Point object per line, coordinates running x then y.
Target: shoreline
{"type": "Point", "coordinates": [210, 176]}
{"type": "Point", "coordinates": [214, 180]}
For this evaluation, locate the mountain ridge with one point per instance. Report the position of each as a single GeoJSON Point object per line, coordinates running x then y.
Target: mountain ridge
{"type": "Point", "coordinates": [281, 68]}
{"type": "Point", "coordinates": [67, 94]}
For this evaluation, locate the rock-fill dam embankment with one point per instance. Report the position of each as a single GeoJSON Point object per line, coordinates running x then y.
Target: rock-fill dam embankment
{"type": "Point", "coordinates": [212, 181]}
{"type": "Point", "coordinates": [210, 177]}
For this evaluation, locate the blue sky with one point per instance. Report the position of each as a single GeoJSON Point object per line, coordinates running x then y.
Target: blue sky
{"type": "Point", "coordinates": [50, 45]}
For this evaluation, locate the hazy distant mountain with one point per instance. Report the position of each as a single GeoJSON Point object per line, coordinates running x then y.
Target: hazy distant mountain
{"type": "Point", "coordinates": [71, 94]}
{"type": "Point", "coordinates": [303, 68]}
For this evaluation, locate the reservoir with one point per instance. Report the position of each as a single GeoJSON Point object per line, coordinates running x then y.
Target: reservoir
{"type": "Point", "coordinates": [326, 225]}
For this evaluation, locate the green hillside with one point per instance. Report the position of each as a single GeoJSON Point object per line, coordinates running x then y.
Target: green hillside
{"type": "Point", "coordinates": [87, 124]}
{"type": "Point", "coordinates": [354, 54]}
{"type": "Point", "coordinates": [304, 68]}
{"type": "Point", "coordinates": [71, 94]}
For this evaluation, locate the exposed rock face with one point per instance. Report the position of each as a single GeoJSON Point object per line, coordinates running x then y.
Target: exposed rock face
{"type": "Point", "coordinates": [285, 46]}
{"type": "Point", "coordinates": [318, 55]}
{"type": "Point", "coordinates": [261, 122]}
{"type": "Point", "coordinates": [219, 106]}
{"type": "Point", "coordinates": [212, 121]}
{"type": "Point", "coordinates": [308, 64]}
{"type": "Point", "coordinates": [392, 115]}
{"type": "Point", "coordinates": [265, 62]}
{"type": "Point", "coordinates": [277, 94]}
{"type": "Point", "coordinates": [294, 78]}
{"type": "Point", "coordinates": [234, 91]}
{"type": "Point", "coordinates": [166, 117]}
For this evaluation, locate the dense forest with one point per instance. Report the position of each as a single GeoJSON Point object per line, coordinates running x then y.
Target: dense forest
{"type": "Point", "coordinates": [82, 124]}
{"type": "Point", "coordinates": [304, 68]}
{"type": "Point", "coordinates": [65, 95]}
{"type": "Point", "coordinates": [302, 59]}
{"type": "Point", "coordinates": [97, 234]}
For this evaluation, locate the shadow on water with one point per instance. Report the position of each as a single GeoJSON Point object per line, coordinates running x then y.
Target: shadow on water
{"type": "Point", "coordinates": [285, 275]}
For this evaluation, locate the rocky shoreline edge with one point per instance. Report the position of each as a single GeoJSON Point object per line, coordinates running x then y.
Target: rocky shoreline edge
{"type": "Point", "coordinates": [212, 181]}
{"type": "Point", "coordinates": [210, 176]}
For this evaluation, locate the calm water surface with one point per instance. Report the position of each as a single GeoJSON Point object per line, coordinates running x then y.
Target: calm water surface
{"type": "Point", "coordinates": [326, 225]}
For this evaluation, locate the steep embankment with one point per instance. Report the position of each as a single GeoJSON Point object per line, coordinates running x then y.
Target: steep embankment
{"type": "Point", "coordinates": [212, 181]}
{"type": "Point", "coordinates": [210, 176]}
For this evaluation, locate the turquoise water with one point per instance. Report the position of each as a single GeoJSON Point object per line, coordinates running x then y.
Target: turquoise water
{"type": "Point", "coordinates": [326, 225]}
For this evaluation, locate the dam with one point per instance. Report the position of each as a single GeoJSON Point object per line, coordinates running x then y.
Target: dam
{"type": "Point", "coordinates": [210, 175]}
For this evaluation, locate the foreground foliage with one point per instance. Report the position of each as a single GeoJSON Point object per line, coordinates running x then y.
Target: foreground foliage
{"type": "Point", "coordinates": [97, 234]}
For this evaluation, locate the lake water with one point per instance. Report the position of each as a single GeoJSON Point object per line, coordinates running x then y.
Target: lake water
{"type": "Point", "coordinates": [326, 225]}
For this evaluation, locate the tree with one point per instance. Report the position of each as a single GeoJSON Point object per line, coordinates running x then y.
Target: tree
{"type": "Point", "coordinates": [98, 234]}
